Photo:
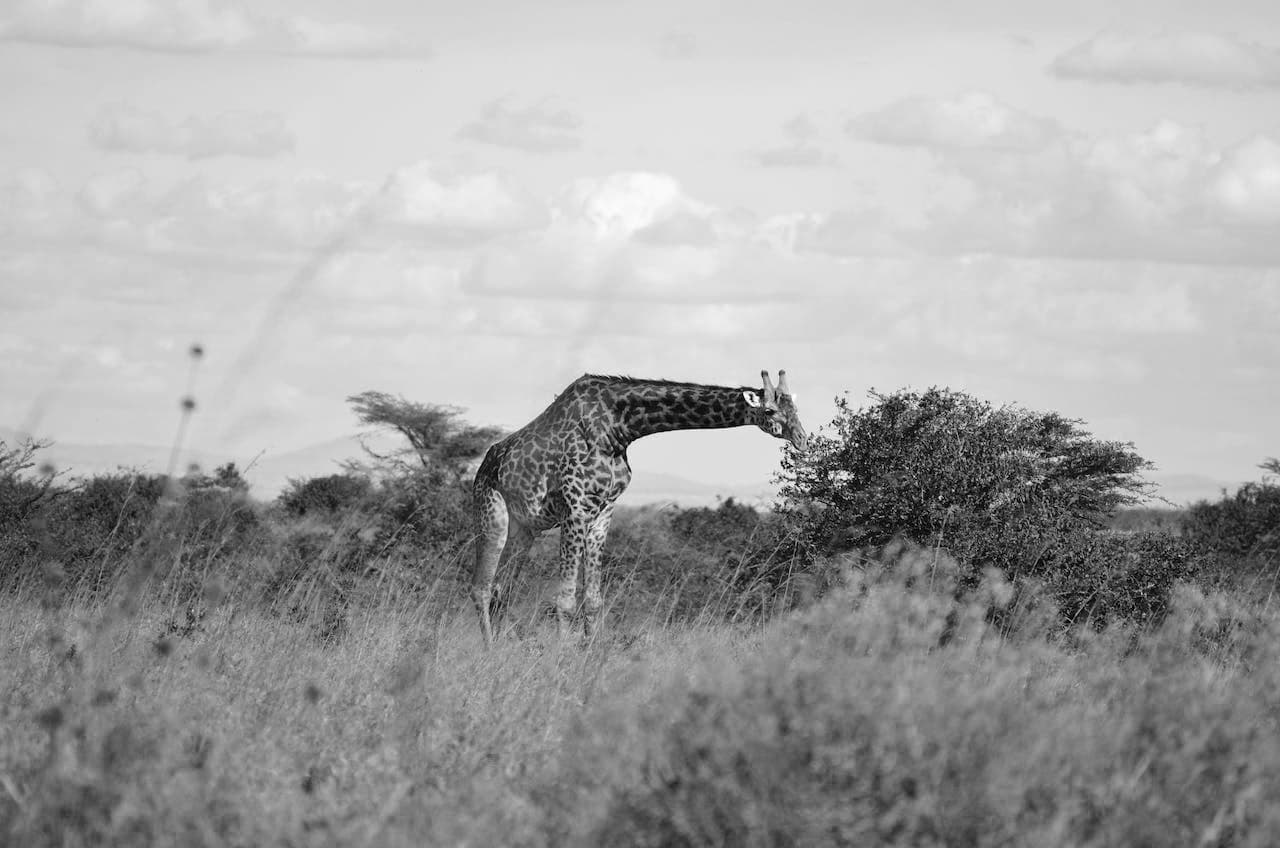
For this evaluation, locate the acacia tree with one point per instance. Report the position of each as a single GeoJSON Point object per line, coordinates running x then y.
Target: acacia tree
{"type": "Point", "coordinates": [439, 438]}
{"type": "Point", "coordinates": [423, 485]}
{"type": "Point", "coordinates": [1022, 490]}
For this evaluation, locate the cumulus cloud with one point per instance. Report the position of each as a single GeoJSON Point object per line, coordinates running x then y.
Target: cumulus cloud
{"type": "Point", "coordinates": [634, 236]}
{"type": "Point", "coordinates": [975, 120]}
{"type": "Point", "coordinates": [127, 129]}
{"type": "Point", "coordinates": [1032, 188]}
{"type": "Point", "coordinates": [680, 228]}
{"type": "Point", "coordinates": [1244, 184]}
{"type": "Point", "coordinates": [1166, 194]}
{"type": "Point", "coordinates": [865, 231]}
{"type": "Point", "coordinates": [1192, 58]}
{"type": "Point", "coordinates": [433, 204]}
{"type": "Point", "coordinates": [423, 206]}
{"type": "Point", "coordinates": [537, 128]}
{"type": "Point", "coordinates": [194, 26]}
{"type": "Point", "coordinates": [619, 205]}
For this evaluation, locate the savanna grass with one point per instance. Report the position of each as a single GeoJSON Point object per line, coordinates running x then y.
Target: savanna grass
{"type": "Point", "coordinates": [893, 712]}
{"type": "Point", "coordinates": [251, 730]}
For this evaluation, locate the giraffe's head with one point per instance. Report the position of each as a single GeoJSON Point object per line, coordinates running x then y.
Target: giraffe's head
{"type": "Point", "coordinates": [774, 411]}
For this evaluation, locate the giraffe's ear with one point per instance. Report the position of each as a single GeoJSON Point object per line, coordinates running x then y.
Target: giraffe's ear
{"type": "Point", "coordinates": [752, 398]}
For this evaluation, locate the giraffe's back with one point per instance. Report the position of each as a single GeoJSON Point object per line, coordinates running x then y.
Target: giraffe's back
{"type": "Point", "coordinates": [557, 458]}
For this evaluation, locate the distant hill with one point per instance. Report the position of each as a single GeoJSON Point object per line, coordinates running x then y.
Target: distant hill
{"type": "Point", "coordinates": [1184, 489]}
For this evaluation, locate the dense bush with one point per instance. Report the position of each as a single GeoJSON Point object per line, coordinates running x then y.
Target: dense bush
{"type": "Point", "coordinates": [728, 562]}
{"type": "Point", "coordinates": [1246, 524]}
{"type": "Point", "coordinates": [935, 465]}
{"type": "Point", "coordinates": [105, 516]}
{"type": "Point", "coordinates": [1103, 577]}
{"type": "Point", "coordinates": [1027, 492]}
{"type": "Point", "coordinates": [427, 507]}
{"type": "Point", "coordinates": [191, 530]}
{"type": "Point", "coordinates": [859, 722]}
{"type": "Point", "coordinates": [329, 494]}
{"type": "Point", "coordinates": [25, 485]}
{"type": "Point", "coordinates": [724, 526]}
{"type": "Point", "coordinates": [82, 537]}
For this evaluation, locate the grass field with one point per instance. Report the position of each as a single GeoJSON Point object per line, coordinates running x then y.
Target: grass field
{"type": "Point", "coordinates": [889, 713]}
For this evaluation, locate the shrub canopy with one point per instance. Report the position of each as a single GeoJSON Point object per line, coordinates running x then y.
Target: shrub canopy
{"type": "Point", "coordinates": [1028, 492]}
{"type": "Point", "coordinates": [1244, 525]}
{"type": "Point", "coordinates": [932, 465]}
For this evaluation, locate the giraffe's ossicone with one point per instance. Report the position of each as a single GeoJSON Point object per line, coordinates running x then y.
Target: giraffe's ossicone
{"type": "Point", "coordinates": [567, 467]}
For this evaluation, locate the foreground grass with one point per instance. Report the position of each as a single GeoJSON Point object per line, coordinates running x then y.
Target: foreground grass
{"type": "Point", "coordinates": [251, 731]}
{"type": "Point", "coordinates": [889, 714]}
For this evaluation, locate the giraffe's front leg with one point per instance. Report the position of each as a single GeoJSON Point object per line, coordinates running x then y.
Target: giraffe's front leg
{"type": "Point", "coordinates": [573, 546]}
{"type": "Point", "coordinates": [592, 600]}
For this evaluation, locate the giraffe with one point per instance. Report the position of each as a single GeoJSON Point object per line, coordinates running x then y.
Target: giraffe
{"type": "Point", "coordinates": [567, 467]}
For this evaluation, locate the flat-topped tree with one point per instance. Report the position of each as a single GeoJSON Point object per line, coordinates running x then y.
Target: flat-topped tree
{"type": "Point", "coordinates": [567, 467]}
{"type": "Point", "coordinates": [437, 434]}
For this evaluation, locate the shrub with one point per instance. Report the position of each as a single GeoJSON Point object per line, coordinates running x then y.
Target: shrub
{"type": "Point", "coordinates": [87, 530]}
{"type": "Point", "coordinates": [915, 465]}
{"type": "Point", "coordinates": [83, 539]}
{"type": "Point", "coordinates": [336, 534]}
{"type": "Point", "coordinates": [731, 562]}
{"type": "Point", "coordinates": [859, 723]}
{"type": "Point", "coordinates": [23, 493]}
{"type": "Point", "coordinates": [330, 494]}
{"type": "Point", "coordinates": [1103, 577]}
{"type": "Point", "coordinates": [427, 507]}
{"type": "Point", "coordinates": [1007, 487]}
{"type": "Point", "coordinates": [1243, 525]}
{"type": "Point", "coordinates": [728, 524]}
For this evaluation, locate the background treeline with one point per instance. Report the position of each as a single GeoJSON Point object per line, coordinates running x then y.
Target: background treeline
{"type": "Point", "coordinates": [1030, 493]}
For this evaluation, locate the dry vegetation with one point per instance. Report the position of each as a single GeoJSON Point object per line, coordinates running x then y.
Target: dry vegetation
{"type": "Point", "coordinates": [891, 712]}
{"type": "Point", "coordinates": [199, 669]}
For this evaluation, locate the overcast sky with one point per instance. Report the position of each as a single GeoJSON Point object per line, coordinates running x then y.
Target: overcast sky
{"type": "Point", "coordinates": [1070, 206]}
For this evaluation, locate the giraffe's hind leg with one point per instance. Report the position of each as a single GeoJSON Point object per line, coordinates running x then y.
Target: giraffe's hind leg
{"type": "Point", "coordinates": [491, 538]}
{"type": "Point", "coordinates": [515, 554]}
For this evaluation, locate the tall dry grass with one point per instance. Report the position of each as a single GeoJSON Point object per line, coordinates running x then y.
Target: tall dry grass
{"type": "Point", "coordinates": [890, 713]}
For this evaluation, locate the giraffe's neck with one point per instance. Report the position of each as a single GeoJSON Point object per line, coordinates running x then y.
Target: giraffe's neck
{"type": "Point", "coordinates": [646, 408]}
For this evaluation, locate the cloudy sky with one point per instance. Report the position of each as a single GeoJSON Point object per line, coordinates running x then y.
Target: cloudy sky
{"type": "Point", "coordinates": [1070, 206]}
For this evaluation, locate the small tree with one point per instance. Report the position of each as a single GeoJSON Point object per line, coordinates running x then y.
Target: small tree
{"type": "Point", "coordinates": [228, 476]}
{"type": "Point", "coordinates": [423, 487]}
{"type": "Point", "coordinates": [1025, 491]}
{"type": "Point", "coordinates": [935, 465]}
{"type": "Point", "coordinates": [438, 436]}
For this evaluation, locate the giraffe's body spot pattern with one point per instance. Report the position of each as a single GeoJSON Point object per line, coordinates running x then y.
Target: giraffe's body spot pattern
{"type": "Point", "coordinates": [568, 466]}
